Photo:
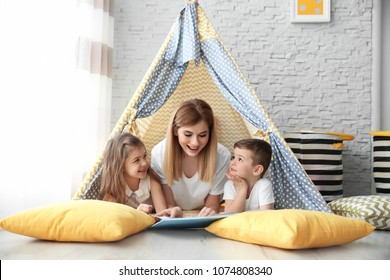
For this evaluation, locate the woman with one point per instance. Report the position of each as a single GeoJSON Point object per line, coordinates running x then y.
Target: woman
{"type": "Point", "coordinates": [190, 162]}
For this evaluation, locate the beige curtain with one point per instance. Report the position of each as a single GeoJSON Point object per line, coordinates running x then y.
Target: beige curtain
{"type": "Point", "coordinates": [94, 46]}
{"type": "Point", "coordinates": [95, 38]}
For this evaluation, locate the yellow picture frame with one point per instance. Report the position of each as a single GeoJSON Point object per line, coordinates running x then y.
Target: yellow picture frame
{"type": "Point", "coordinates": [310, 10]}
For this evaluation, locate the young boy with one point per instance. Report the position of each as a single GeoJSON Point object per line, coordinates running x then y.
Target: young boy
{"type": "Point", "coordinates": [246, 188]}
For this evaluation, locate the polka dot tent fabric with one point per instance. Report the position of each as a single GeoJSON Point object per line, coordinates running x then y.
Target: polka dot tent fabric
{"type": "Point", "coordinates": [193, 62]}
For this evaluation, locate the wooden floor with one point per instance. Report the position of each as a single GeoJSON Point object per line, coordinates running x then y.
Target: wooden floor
{"type": "Point", "coordinates": [190, 244]}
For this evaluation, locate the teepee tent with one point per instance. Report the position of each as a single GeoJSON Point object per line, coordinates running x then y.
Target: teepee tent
{"type": "Point", "coordinates": [194, 63]}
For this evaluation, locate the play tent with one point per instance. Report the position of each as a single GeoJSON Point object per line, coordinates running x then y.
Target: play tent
{"type": "Point", "coordinates": [194, 63]}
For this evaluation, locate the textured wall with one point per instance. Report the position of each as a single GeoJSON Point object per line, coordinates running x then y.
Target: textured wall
{"type": "Point", "coordinates": [311, 76]}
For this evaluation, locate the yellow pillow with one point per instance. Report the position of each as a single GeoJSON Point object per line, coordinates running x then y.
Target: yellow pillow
{"type": "Point", "coordinates": [290, 228]}
{"type": "Point", "coordinates": [79, 221]}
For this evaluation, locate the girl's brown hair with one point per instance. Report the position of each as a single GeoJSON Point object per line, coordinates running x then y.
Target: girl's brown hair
{"type": "Point", "coordinates": [113, 184]}
{"type": "Point", "coordinates": [190, 113]}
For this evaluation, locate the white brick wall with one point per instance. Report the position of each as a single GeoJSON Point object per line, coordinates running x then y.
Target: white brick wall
{"type": "Point", "coordinates": [312, 76]}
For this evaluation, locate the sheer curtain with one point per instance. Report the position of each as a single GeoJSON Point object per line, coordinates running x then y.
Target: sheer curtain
{"type": "Point", "coordinates": [36, 99]}
{"type": "Point", "coordinates": [54, 109]}
{"type": "Point", "coordinates": [94, 45]}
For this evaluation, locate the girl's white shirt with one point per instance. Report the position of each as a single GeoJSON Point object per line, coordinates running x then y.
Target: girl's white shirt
{"type": "Point", "coordinates": [142, 195]}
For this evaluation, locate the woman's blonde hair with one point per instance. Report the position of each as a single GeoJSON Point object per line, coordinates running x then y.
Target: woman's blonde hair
{"type": "Point", "coordinates": [113, 184]}
{"type": "Point", "coordinates": [190, 113]}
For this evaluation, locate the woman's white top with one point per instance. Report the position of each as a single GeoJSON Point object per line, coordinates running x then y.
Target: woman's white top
{"type": "Point", "coordinates": [142, 195]}
{"type": "Point", "coordinates": [261, 194]}
{"type": "Point", "coordinates": [190, 193]}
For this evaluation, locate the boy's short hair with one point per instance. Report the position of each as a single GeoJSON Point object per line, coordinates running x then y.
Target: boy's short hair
{"type": "Point", "coordinates": [261, 151]}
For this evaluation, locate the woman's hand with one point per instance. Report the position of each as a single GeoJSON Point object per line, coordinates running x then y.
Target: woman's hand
{"type": "Point", "coordinates": [211, 206]}
{"type": "Point", "coordinates": [145, 208]}
{"type": "Point", "coordinates": [206, 211]}
{"type": "Point", "coordinates": [173, 212]}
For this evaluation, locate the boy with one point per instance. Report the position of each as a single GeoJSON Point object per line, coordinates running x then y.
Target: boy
{"type": "Point", "coordinates": [246, 188]}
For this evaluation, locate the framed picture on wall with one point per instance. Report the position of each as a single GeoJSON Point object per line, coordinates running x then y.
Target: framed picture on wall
{"type": "Point", "coordinates": [310, 10]}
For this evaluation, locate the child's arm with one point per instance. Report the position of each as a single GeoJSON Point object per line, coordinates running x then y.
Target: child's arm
{"type": "Point", "coordinates": [237, 204]}
{"type": "Point", "coordinates": [269, 206]}
{"type": "Point", "coordinates": [109, 198]}
{"type": "Point", "coordinates": [146, 208]}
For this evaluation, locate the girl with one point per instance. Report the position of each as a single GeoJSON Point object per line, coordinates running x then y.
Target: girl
{"type": "Point", "coordinates": [127, 178]}
{"type": "Point", "coordinates": [190, 162]}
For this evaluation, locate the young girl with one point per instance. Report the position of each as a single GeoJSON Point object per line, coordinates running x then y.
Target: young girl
{"type": "Point", "coordinates": [190, 162]}
{"type": "Point", "coordinates": [127, 178]}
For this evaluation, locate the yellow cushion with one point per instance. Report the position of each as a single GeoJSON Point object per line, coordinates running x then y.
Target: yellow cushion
{"type": "Point", "coordinates": [79, 221]}
{"type": "Point", "coordinates": [290, 228]}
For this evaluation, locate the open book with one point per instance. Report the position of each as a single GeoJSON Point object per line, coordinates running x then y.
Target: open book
{"type": "Point", "coordinates": [187, 222]}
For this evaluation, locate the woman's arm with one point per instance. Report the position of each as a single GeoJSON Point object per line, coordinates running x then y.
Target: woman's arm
{"type": "Point", "coordinates": [168, 194]}
{"type": "Point", "coordinates": [172, 210]}
{"type": "Point", "coordinates": [211, 206]}
{"type": "Point", "coordinates": [157, 193]}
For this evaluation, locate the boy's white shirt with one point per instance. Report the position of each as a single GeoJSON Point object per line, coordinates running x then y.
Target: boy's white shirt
{"type": "Point", "coordinates": [261, 194]}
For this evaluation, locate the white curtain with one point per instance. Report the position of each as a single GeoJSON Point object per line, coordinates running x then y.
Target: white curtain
{"type": "Point", "coordinates": [36, 99]}
{"type": "Point", "coordinates": [54, 109]}
{"type": "Point", "coordinates": [94, 44]}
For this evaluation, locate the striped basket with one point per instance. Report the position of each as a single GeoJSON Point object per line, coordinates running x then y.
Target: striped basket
{"type": "Point", "coordinates": [381, 164]}
{"type": "Point", "coordinates": [320, 154]}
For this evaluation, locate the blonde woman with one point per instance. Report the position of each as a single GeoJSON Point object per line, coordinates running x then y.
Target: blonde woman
{"type": "Point", "coordinates": [190, 162]}
{"type": "Point", "coordinates": [127, 178]}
